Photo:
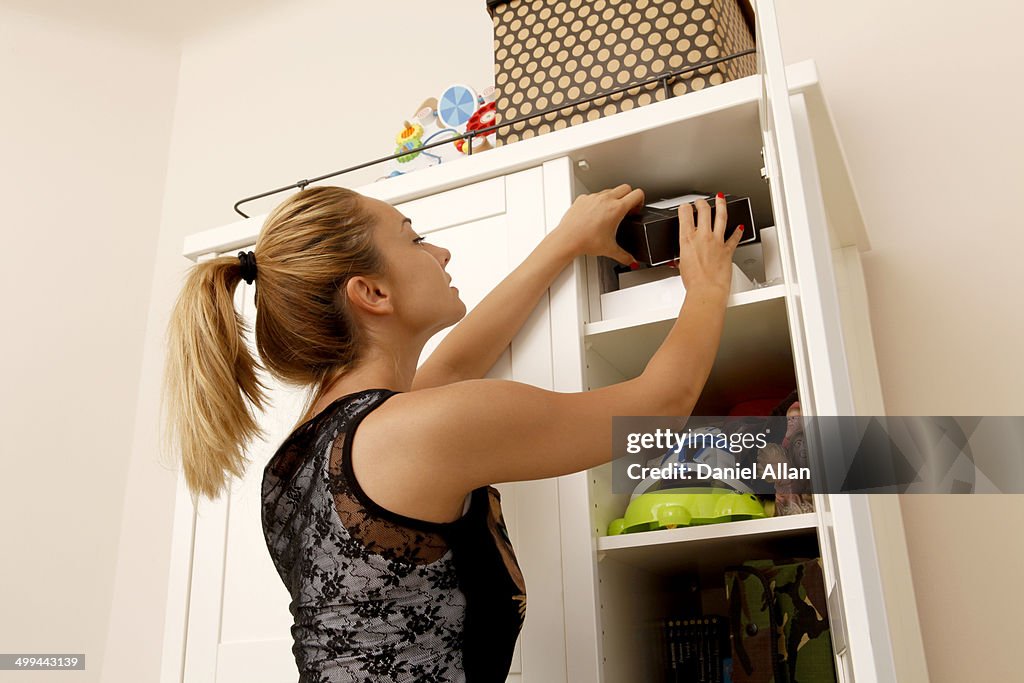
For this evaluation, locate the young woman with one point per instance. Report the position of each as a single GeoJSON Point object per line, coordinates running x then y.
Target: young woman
{"type": "Point", "coordinates": [390, 538]}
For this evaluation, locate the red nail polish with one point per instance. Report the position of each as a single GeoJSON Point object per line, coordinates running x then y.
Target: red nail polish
{"type": "Point", "coordinates": [721, 196]}
{"type": "Point", "coordinates": [634, 265]}
{"type": "Point", "coordinates": [740, 228]}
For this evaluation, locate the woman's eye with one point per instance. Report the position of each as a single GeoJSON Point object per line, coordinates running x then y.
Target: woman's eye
{"type": "Point", "coordinates": [418, 240]}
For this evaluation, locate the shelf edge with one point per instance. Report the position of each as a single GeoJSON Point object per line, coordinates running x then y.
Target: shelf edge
{"type": "Point", "coordinates": [749, 527]}
{"type": "Point", "coordinates": [658, 315]}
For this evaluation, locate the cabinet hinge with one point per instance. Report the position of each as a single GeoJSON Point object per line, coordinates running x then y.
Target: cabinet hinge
{"type": "Point", "coordinates": [764, 169]}
{"type": "Point", "coordinates": [837, 617]}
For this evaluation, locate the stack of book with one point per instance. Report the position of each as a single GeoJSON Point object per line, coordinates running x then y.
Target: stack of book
{"type": "Point", "coordinates": [696, 650]}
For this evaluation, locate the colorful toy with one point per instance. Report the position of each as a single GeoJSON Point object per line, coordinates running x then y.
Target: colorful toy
{"type": "Point", "coordinates": [409, 139]}
{"type": "Point", "coordinates": [456, 105]}
{"type": "Point", "coordinates": [458, 110]}
{"type": "Point", "coordinates": [490, 94]}
{"type": "Point", "coordinates": [426, 111]}
{"type": "Point", "coordinates": [484, 117]}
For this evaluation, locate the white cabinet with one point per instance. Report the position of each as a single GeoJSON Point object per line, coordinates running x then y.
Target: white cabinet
{"type": "Point", "coordinates": [588, 592]}
{"type": "Point", "coordinates": [812, 332]}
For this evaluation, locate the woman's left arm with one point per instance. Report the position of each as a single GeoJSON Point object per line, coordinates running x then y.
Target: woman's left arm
{"type": "Point", "coordinates": [475, 343]}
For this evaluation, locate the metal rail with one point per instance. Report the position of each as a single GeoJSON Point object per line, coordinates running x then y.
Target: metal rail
{"type": "Point", "coordinates": [665, 78]}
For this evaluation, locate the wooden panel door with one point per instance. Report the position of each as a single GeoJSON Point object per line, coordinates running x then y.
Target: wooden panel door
{"type": "Point", "coordinates": [238, 623]}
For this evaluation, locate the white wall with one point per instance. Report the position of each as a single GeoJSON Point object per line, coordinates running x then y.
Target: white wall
{"type": "Point", "coordinates": [84, 131]}
{"type": "Point", "coordinates": [927, 102]}
{"type": "Point", "coordinates": [922, 100]}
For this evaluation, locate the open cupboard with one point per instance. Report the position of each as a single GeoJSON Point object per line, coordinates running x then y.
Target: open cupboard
{"type": "Point", "coordinates": [590, 595]}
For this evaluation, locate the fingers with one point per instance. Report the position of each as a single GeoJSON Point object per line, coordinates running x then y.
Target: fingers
{"type": "Point", "coordinates": [686, 219]}
{"type": "Point", "coordinates": [734, 238]}
{"type": "Point", "coordinates": [703, 214]}
{"type": "Point", "coordinates": [721, 215]}
{"type": "Point", "coordinates": [633, 199]}
{"type": "Point", "coordinates": [628, 198]}
{"type": "Point", "coordinates": [618, 192]}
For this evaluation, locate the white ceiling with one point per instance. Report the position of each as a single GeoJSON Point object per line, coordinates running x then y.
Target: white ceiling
{"type": "Point", "coordinates": [169, 19]}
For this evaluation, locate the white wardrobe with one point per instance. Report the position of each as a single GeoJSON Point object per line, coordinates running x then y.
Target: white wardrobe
{"type": "Point", "coordinates": [769, 137]}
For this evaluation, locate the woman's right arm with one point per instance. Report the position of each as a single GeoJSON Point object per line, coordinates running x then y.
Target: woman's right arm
{"type": "Point", "coordinates": [487, 431]}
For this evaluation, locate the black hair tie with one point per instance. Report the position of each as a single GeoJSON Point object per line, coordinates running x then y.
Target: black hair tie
{"type": "Point", "coordinates": [248, 260]}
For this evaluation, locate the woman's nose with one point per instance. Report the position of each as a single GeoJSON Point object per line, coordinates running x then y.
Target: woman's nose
{"type": "Point", "coordinates": [446, 256]}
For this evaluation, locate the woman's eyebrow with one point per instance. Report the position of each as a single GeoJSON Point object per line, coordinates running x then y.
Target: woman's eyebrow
{"type": "Point", "coordinates": [407, 220]}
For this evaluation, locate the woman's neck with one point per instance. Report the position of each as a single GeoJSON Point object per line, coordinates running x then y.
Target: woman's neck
{"type": "Point", "coordinates": [359, 379]}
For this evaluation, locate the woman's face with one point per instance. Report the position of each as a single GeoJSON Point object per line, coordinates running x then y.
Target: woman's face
{"type": "Point", "coordinates": [424, 298]}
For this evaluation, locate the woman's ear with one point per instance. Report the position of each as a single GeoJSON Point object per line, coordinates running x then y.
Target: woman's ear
{"type": "Point", "coordinates": [369, 294]}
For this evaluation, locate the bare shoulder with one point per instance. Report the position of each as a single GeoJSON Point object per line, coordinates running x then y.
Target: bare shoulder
{"type": "Point", "coordinates": [487, 431]}
{"type": "Point", "coordinates": [433, 446]}
{"type": "Point", "coordinates": [428, 412]}
{"type": "Point", "coordinates": [395, 471]}
{"type": "Point", "coordinates": [436, 422]}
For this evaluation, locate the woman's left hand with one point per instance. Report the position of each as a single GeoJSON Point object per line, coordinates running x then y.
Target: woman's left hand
{"type": "Point", "coordinates": [590, 223]}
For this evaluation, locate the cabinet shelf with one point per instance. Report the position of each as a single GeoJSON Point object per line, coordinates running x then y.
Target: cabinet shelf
{"type": "Point", "coordinates": [650, 576]}
{"type": "Point", "coordinates": [670, 313]}
{"type": "Point", "coordinates": [713, 545]}
{"type": "Point", "coordinates": [754, 356]}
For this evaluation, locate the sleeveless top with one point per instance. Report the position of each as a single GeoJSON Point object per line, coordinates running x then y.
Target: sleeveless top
{"type": "Point", "coordinates": [375, 595]}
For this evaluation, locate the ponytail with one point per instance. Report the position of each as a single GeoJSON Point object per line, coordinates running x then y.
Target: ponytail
{"type": "Point", "coordinates": [308, 248]}
{"type": "Point", "coordinates": [210, 375]}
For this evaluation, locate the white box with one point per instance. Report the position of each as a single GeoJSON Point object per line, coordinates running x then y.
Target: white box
{"type": "Point", "coordinates": [667, 292]}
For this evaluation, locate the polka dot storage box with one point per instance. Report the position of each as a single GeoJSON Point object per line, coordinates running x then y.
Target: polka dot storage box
{"type": "Point", "coordinates": [550, 52]}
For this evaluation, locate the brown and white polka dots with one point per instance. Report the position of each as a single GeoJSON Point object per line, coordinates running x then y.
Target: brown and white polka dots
{"type": "Point", "coordinates": [547, 52]}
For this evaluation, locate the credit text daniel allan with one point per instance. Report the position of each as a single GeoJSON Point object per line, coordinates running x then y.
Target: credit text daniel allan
{"type": "Point", "coordinates": [693, 471]}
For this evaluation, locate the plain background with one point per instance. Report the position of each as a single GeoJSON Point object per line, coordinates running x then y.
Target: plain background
{"type": "Point", "coordinates": [128, 124]}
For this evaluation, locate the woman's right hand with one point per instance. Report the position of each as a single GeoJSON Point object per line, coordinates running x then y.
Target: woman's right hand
{"type": "Point", "coordinates": [590, 224]}
{"type": "Point", "coordinates": [705, 257]}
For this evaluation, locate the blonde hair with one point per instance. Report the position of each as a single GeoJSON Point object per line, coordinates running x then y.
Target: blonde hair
{"type": "Point", "coordinates": [308, 248]}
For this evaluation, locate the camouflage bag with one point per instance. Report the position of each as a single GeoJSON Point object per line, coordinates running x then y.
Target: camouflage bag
{"type": "Point", "coordinates": [778, 622]}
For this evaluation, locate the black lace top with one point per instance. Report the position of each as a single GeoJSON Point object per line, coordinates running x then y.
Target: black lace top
{"type": "Point", "coordinates": [377, 596]}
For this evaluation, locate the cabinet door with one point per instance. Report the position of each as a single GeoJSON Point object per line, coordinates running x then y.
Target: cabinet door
{"type": "Point", "coordinates": [846, 538]}
{"type": "Point", "coordinates": [238, 623]}
{"type": "Point", "coordinates": [490, 228]}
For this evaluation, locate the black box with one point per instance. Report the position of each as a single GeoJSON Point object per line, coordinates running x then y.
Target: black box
{"type": "Point", "coordinates": [652, 236]}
